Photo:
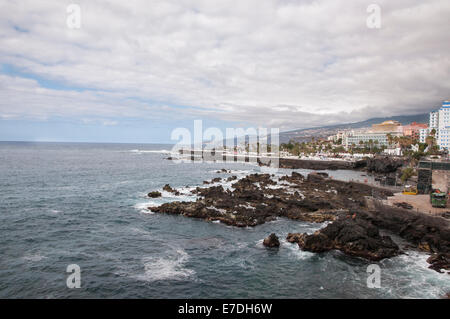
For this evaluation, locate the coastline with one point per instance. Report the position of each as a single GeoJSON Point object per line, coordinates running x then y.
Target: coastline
{"type": "Point", "coordinates": [355, 212]}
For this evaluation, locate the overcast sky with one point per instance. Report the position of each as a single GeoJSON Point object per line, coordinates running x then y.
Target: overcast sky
{"type": "Point", "coordinates": [136, 69]}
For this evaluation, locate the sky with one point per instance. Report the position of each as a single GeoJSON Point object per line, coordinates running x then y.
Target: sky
{"type": "Point", "coordinates": [135, 70]}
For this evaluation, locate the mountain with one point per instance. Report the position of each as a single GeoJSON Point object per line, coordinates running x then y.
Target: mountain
{"type": "Point", "coordinates": [305, 135]}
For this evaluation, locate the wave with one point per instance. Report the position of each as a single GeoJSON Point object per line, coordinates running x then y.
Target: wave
{"type": "Point", "coordinates": [33, 257]}
{"type": "Point", "coordinates": [164, 268]}
{"type": "Point", "coordinates": [137, 151]}
{"type": "Point", "coordinates": [412, 277]}
{"type": "Point", "coordinates": [143, 207]}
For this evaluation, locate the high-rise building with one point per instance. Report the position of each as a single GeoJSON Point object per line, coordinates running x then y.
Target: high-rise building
{"type": "Point", "coordinates": [443, 129]}
{"type": "Point", "coordinates": [423, 134]}
{"type": "Point", "coordinates": [434, 120]}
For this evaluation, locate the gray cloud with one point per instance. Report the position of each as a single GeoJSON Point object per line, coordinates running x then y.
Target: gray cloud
{"type": "Point", "coordinates": [289, 64]}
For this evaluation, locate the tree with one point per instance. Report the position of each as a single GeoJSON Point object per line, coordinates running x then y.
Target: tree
{"type": "Point", "coordinates": [389, 138]}
{"type": "Point", "coordinates": [407, 173]}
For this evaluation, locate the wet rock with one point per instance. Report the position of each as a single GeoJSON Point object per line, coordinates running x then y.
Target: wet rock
{"type": "Point", "coordinates": [383, 164]}
{"type": "Point", "coordinates": [353, 236]}
{"type": "Point", "coordinates": [439, 262]}
{"type": "Point", "coordinates": [293, 237]}
{"type": "Point", "coordinates": [431, 233]}
{"type": "Point", "coordinates": [271, 241]}
{"type": "Point", "coordinates": [154, 194]}
{"type": "Point", "coordinates": [231, 178]}
{"type": "Point", "coordinates": [169, 189]}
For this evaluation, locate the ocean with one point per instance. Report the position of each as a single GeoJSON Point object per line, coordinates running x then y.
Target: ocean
{"type": "Point", "coordinates": [85, 204]}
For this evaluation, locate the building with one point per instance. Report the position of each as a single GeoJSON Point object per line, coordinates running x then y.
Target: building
{"type": "Point", "coordinates": [413, 130]}
{"type": "Point", "coordinates": [377, 138]}
{"type": "Point", "coordinates": [443, 138]}
{"type": "Point", "coordinates": [393, 151]}
{"type": "Point", "coordinates": [434, 120]}
{"type": "Point", "coordinates": [339, 135]}
{"type": "Point", "coordinates": [423, 134]}
{"type": "Point", "coordinates": [387, 127]}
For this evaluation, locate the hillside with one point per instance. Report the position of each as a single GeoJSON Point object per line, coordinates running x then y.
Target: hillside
{"type": "Point", "coordinates": [302, 135]}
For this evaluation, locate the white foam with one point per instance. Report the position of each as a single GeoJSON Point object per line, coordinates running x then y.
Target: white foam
{"type": "Point", "coordinates": [33, 257]}
{"type": "Point", "coordinates": [143, 207]}
{"type": "Point", "coordinates": [171, 267]}
{"type": "Point", "coordinates": [137, 151]}
{"type": "Point", "coordinates": [413, 277]}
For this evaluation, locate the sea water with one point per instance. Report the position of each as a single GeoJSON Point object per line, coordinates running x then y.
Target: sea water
{"type": "Point", "coordinates": [86, 204]}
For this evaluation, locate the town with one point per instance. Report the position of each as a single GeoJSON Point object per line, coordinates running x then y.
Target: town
{"type": "Point", "coordinates": [414, 140]}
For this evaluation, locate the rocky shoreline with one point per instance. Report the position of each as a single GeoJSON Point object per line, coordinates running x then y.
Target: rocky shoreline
{"type": "Point", "coordinates": [354, 211]}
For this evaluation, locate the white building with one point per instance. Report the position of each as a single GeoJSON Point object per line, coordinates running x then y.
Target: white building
{"type": "Point", "coordinates": [434, 120]}
{"type": "Point", "coordinates": [443, 138]}
{"type": "Point", "coordinates": [423, 134]}
{"type": "Point", "coordinates": [394, 151]}
{"type": "Point", "coordinates": [358, 139]}
{"type": "Point", "coordinates": [339, 135]}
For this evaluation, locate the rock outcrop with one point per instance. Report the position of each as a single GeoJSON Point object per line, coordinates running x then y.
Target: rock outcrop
{"type": "Point", "coordinates": [271, 241]}
{"type": "Point", "coordinates": [259, 198]}
{"type": "Point", "coordinates": [426, 232]}
{"type": "Point", "coordinates": [440, 262]}
{"type": "Point", "coordinates": [383, 164]}
{"type": "Point", "coordinates": [352, 235]}
{"type": "Point", "coordinates": [154, 194]}
{"type": "Point", "coordinates": [169, 189]}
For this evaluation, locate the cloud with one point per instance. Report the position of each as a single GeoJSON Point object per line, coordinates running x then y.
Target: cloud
{"type": "Point", "coordinates": [284, 63]}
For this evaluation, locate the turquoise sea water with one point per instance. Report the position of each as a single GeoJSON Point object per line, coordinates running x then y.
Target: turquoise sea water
{"type": "Point", "coordinates": [84, 204]}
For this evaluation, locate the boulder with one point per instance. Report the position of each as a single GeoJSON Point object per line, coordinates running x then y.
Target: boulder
{"type": "Point", "coordinates": [154, 194]}
{"type": "Point", "coordinates": [169, 189]}
{"type": "Point", "coordinates": [439, 262]}
{"type": "Point", "coordinates": [271, 241]}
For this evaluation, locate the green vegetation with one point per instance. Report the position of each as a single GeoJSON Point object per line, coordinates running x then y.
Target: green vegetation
{"type": "Point", "coordinates": [407, 173]}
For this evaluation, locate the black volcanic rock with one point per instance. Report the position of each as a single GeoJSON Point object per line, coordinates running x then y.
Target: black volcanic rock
{"type": "Point", "coordinates": [383, 164]}
{"type": "Point", "coordinates": [271, 241]}
{"type": "Point", "coordinates": [353, 236]}
{"type": "Point", "coordinates": [428, 233]}
{"type": "Point", "coordinates": [169, 189]}
{"type": "Point", "coordinates": [154, 194]}
{"type": "Point", "coordinates": [253, 201]}
{"type": "Point", "coordinates": [439, 262]}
